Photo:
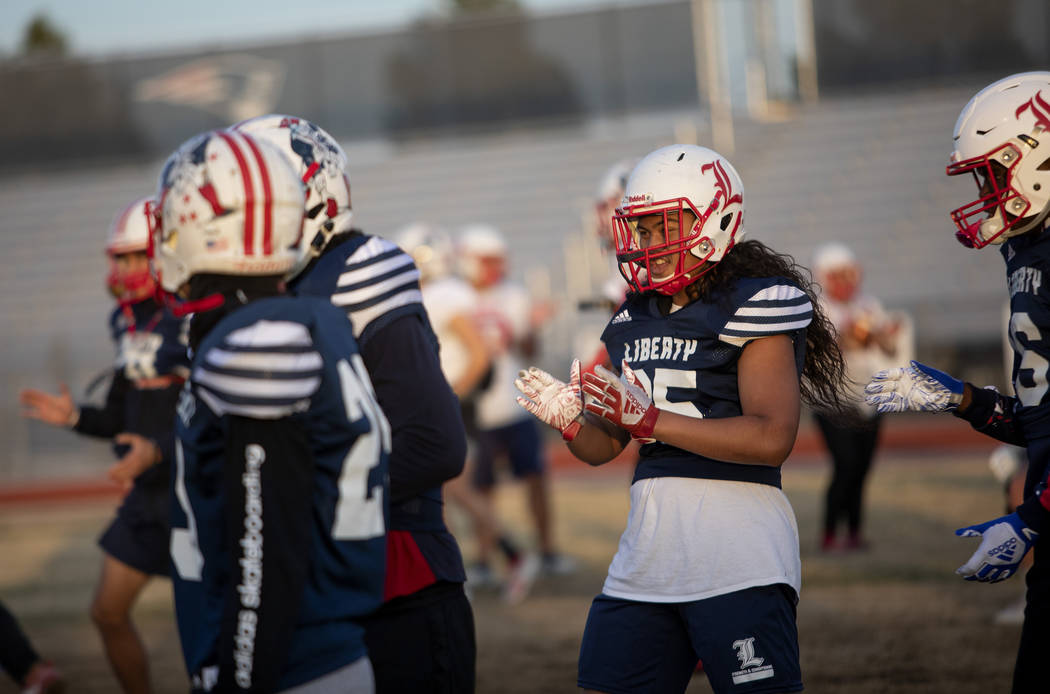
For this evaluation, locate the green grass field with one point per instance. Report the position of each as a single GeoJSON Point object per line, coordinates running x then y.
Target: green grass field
{"type": "Point", "coordinates": [894, 619]}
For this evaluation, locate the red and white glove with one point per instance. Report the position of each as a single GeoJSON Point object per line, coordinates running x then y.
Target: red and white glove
{"type": "Point", "coordinates": [622, 400]}
{"type": "Point", "coordinates": [553, 402]}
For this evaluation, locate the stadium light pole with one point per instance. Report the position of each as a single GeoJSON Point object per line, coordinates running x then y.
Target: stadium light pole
{"type": "Point", "coordinates": [707, 55]}
{"type": "Point", "coordinates": [806, 51]}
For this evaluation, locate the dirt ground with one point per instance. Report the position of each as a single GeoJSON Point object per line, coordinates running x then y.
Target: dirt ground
{"type": "Point", "coordinates": [894, 619]}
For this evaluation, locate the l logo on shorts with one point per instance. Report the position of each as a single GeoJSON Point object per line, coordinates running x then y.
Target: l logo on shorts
{"type": "Point", "coordinates": [751, 666]}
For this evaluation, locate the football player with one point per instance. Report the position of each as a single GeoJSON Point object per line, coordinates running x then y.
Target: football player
{"type": "Point", "coordinates": [139, 413]}
{"type": "Point", "coordinates": [450, 304]}
{"type": "Point", "coordinates": [510, 321]}
{"type": "Point", "coordinates": [606, 199]}
{"type": "Point", "coordinates": [1002, 139]}
{"type": "Point", "coordinates": [717, 344]}
{"type": "Point", "coordinates": [422, 640]}
{"type": "Point", "coordinates": [280, 491]}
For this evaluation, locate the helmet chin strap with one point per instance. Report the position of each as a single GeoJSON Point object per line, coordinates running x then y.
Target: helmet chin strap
{"type": "Point", "coordinates": [180, 308]}
{"type": "Point", "coordinates": [679, 283]}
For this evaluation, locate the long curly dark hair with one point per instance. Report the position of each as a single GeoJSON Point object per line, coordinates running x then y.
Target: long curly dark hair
{"type": "Point", "coordinates": [824, 381]}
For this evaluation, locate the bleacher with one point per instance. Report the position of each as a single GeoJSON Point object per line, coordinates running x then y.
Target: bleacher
{"type": "Point", "coordinates": [867, 170]}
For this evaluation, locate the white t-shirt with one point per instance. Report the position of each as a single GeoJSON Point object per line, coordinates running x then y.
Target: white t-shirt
{"type": "Point", "coordinates": [861, 362]}
{"type": "Point", "coordinates": [444, 299]}
{"type": "Point", "coordinates": [689, 539]}
{"type": "Point", "coordinates": [503, 315]}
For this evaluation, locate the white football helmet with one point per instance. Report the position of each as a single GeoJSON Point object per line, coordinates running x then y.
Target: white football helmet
{"type": "Point", "coordinates": [227, 203]}
{"type": "Point", "coordinates": [322, 165]}
{"type": "Point", "coordinates": [129, 233]}
{"type": "Point", "coordinates": [669, 181]}
{"type": "Point", "coordinates": [1002, 137]}
{"type": "Point", "coordinates": [430, 247]}
{"type": "Point", "coordinates": [608, 196]}
{"type": "Point", "coordinates": [832, 256]}
{"type": "Point", "coordinates": [482, 255]}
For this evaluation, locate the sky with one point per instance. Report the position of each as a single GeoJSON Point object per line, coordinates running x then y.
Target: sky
{"type": "Point", "coordinates": [111, 27]}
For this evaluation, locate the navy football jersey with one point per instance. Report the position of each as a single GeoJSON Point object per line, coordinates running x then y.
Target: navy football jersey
{"type": "Point", "coordinates": [150, 365]}
{"type": "Point", "coordinates": [1027, 255]}
{"type": "Point", "coordinates": [151, 341]}
{"type": "Point", "coordinates": [376, 284]}
{"type": "Point", "coordinates": [687, 361]}
{"type": "Point", "coordinates": [277, 392]}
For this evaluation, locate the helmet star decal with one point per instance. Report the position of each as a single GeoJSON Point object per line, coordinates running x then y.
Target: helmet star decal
{"type": "Point", "coordinates": [322, 166]}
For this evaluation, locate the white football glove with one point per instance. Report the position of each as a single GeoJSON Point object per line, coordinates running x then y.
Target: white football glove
{"type": "Point", "coordinates": [553, 402]}
{"type": "Point", "coordinates": [1004, 542]}
{"type": "Point", "coordinates": [918, 388]}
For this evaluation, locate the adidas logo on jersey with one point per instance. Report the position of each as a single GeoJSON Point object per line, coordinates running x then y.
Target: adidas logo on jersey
{"type": "Point", "coordinates": [621, 317]}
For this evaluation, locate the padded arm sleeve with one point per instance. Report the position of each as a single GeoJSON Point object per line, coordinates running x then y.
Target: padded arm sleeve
{"type": "Point", "coordinates": [106, 421]}
{"type": "Point", "coordinates": [269, 470]}
{"type": "Point", "coordinates": [428, 442]}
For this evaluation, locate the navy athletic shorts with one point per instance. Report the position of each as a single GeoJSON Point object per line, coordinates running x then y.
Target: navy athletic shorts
{"type": "Point", "coordinates": [520, 442]}
{"type": "Point", "coordinates": [747, 640]}
{"type": "Point", "coordinates": [139, 535]}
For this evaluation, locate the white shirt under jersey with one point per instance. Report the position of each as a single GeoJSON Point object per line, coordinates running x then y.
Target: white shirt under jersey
{"type": "Point", "coordinates": [444, 299]}
{"type": "Point", "coordinates": [688, 539]}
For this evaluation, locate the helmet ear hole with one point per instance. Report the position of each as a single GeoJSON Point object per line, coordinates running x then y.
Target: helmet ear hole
{"type": "Point", "coordinates": [726, 219]}
{"type": "Point", "coordinates": [1045, 166]}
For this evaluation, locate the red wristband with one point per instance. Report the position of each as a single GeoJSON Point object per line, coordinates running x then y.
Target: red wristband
{"type": "Point", "coordinates": [570, 432]}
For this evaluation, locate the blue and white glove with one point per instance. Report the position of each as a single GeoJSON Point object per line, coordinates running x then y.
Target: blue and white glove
{"type": "Point", "coordinates": [918, 388]}
{"type": "Point", "coordinates": [1004, 543]}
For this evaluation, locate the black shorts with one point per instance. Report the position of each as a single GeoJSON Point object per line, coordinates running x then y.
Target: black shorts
{"type": "Point", "coordinates": [521, 442]}
{"type": "Point", "coordinates": [139, 535]}
{"type": "Point", "coordinates": [423, 643]}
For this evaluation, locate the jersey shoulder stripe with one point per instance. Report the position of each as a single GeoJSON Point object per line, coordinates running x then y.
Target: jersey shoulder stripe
{"type": "Point", "coordinates": [379, 280]}
{"type": "Point", "coordinates": [265, 370]}
{"type": "Point", "coordinates": [780, 308]}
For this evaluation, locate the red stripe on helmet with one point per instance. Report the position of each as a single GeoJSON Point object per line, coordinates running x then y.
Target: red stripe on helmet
{"type": "Point", "coordinates": [264, 175]}
{"type": "Point", "coordinates": [311, 171]}
{"type": "Point", "coordinates": [249, 194]}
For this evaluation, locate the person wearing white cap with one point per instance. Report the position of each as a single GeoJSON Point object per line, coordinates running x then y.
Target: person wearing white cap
{"type": "Point", "coordinates": [866, 336]}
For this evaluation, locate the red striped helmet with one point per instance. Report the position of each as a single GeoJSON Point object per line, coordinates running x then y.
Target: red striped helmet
{"type": "Point", "coordinates": [129, 233]}
{"type": "Point", "coordinates": [227, 203]}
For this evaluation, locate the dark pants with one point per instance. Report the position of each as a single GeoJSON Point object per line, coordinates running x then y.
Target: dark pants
{"type": "Point", "coordinates": [1030, 671]}
{"type": "Point", "coordinates": [16, 653]}
{"type": "Point", "coordinates": [852, 450]}
{"type": "Point", "coordinates": [423, 643]}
